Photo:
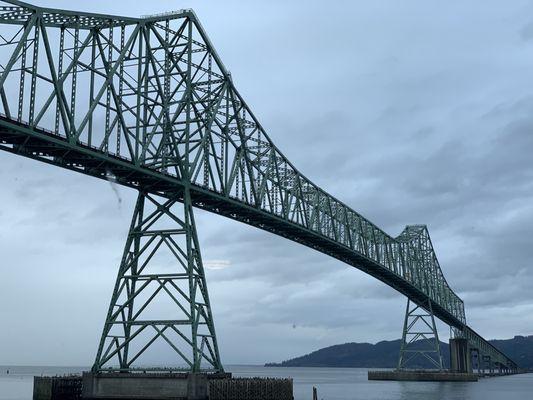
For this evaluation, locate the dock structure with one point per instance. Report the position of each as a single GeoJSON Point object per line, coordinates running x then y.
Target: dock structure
{"type": "Point", "coordinates": [168, 386]}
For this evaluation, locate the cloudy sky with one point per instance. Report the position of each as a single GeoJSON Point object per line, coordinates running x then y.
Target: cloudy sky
{"type": "Point", "coordinates": [410, 112]}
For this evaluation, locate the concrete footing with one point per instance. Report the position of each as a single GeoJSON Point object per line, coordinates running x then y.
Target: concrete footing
{"type": "Point", "coordinates": [147, 386]}
{"type": "Point", "coordinates": [166, 386]}
{"type": "Point", "coordinates": [437, 376]}
{"type": "Point", "coordinates": [460, 357]}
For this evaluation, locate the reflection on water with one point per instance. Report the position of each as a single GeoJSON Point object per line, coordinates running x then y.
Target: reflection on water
{"type": "Point", "coordinates": [332, 384]}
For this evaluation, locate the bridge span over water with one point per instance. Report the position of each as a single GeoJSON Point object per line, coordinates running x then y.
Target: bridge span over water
{"type": "Point", "coordinates": [148, 103]}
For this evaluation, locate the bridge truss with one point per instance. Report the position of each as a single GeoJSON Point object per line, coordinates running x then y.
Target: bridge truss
{"type": "Point", "coordinates": [148, 103]}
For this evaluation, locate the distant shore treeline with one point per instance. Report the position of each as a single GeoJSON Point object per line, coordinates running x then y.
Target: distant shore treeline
{"type": "Point", "coordinates": [385, 354]}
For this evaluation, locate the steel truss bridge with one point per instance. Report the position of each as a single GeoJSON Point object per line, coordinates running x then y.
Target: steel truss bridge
{"type": "Point", "coordinates": [147, 103]}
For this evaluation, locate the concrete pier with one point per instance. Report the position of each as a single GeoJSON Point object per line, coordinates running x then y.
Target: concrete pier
{"type": "Point", "coordinates": [415, 375]}
{"type": "Point", "coordinates": [147, 386]}
{"type": "Point", "coordinates": [165, 386]}
{"type": "Point", "coordinates": [460, 358]}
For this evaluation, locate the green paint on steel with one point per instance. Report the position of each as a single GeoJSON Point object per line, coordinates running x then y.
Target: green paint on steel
{"type": "Point", "coordinates": [420, 339]}
{"type": "Point", "coordinates": [160, 226]}
{"type": "Point", "coordinates": [148, 103]}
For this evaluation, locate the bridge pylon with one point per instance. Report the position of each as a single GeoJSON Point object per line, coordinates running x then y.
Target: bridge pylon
{"type": "Point", "coordinates": [160, 306]}
{"type": "Point", "coordinates": [163, 114]}
{"type": "Point", "coordinates": [420, 339]}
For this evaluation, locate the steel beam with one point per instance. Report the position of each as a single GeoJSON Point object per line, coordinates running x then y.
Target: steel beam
{"type": "Point", "coordinates": [160, 113]}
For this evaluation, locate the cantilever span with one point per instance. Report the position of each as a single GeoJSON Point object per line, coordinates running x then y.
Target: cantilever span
{"type": "Point", "coordinates": [149, 102]}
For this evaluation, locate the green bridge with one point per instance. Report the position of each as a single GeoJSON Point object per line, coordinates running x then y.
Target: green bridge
{"type": "Point", "coordinates": [147, 103]}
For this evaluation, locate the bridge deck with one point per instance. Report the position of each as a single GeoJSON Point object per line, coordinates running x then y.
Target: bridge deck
{"type": "Point", "coordinates": [45, 146]}
{"type": "Point", "coordinates": [159, 112]}
{"type": "Point", "coordinates": [42, 145]}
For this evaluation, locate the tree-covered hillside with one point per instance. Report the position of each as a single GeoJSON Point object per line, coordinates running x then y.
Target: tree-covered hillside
{"type": "Point", "coordinates": [385, 354]}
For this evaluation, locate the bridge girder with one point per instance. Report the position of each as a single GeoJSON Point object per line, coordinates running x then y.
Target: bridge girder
{"type": "Point", "coordinates": [148, 103]}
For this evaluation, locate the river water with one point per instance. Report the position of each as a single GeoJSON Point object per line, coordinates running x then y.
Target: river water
{"type": "Point", "coordinates": [332, 384]}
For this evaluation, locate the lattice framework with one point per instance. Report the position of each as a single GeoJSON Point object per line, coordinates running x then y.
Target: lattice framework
{"type": "Point", "coordinates": [159, 112]}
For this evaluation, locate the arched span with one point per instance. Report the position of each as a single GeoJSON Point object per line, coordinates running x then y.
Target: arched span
{"type": "Point", "coordinates": [148, 102]}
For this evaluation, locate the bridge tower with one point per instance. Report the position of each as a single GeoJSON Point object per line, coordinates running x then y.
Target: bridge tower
{"type": "Point", "coordinates": [184, 322]}
{"type": "Point", "coordinates": [420, 339]}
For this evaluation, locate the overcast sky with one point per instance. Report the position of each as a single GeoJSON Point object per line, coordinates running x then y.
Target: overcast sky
{"type": "Point", "coordinates": [411, 112]}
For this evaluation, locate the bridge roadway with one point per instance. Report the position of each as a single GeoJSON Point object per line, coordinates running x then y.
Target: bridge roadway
{"type": "Point", "coordinates": [174, 119]}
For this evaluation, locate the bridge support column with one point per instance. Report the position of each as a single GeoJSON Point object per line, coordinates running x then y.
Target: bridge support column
{"type": "Point", "coordinates": [509, 368]}
{"type": "Point", "coordinates": [160, 298]}
{"type": "Point", "coordinates": [485, 361]}
{"type": "Point", "coordinates": [420, 340]}
{"type": "Point", "coordinates": [474, 359]}
{"type": "Point", "coordinates": [460, 358]}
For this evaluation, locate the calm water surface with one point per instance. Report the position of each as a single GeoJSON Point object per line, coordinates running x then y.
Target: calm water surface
{"type": "Point", "coordinates": [332, 384]}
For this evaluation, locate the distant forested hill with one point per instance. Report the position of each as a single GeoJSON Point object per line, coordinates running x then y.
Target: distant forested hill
{"type": "Point", "coordinates": [385, 354]}
{"type": "Point", "coordinates": [519, 348]}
